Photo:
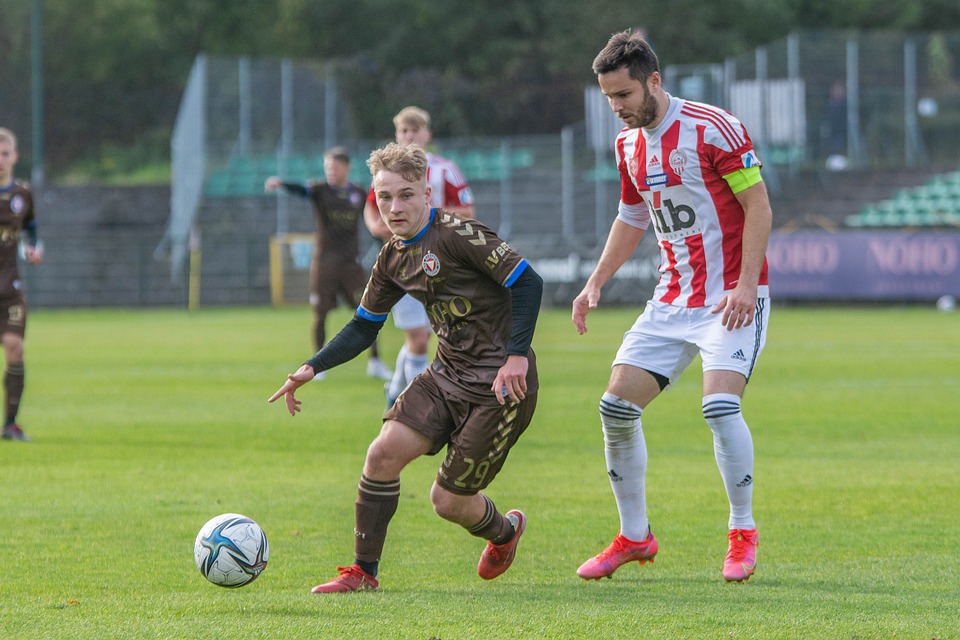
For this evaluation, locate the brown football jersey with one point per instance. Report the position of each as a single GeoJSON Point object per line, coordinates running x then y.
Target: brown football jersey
{"type": "Point", "coordinates": [460, 270]}
{"type": "Point", "coordinates": [16, 210]}
{"type": "Point", "coordinates": [339, 213]}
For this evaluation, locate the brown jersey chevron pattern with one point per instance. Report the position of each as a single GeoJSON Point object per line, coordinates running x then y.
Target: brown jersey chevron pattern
{"type": "Point", "coordinates": [467, 229]}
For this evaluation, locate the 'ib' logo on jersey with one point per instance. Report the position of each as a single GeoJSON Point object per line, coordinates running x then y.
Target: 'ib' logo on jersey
{"type": "Point", "coordinates": [671, 218]}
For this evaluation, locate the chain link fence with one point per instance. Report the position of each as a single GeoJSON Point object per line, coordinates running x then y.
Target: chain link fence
{"type": "Point", "coordinates": [827, 102]}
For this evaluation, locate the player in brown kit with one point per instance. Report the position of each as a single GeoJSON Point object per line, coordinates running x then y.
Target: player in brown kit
{"type": "Point", "coordinates": [478, 395]}
{"type": "Point", "coordinates": [335, 267]}
{"type": "Point", "coordinates": [16, 216]}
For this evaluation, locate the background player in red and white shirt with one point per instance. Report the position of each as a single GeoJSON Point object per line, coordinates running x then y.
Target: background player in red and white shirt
{"type": "Point", "coordinates": [449, 190]}
{"type": "Point", "coordinates": [690, 170]}
{"type": "Point", "coordinates": [16, 217]}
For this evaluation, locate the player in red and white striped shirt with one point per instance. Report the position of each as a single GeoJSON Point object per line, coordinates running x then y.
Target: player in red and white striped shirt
{"type": "Point", "coordinates": [690, 171]}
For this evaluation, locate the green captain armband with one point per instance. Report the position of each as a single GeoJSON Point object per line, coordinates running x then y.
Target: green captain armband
{"type": "Point", "coordinates": [743, 178]}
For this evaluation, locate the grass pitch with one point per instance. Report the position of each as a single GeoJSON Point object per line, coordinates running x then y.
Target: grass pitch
{"type": "Point", "coordinates": [145, 424]}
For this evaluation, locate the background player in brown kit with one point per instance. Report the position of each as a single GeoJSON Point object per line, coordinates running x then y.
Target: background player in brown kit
{"type": "Point", "coordinates": [479, 394]}
{"type": "Point", "coordinates": [335, 268]}
{"type": "Point", "coordinates": [16, 216]}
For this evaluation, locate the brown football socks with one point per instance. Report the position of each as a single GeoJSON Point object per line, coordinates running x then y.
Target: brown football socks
{"type": "Point", "coordinates": [377, 501]}
{"type": "Point", "coordinates": [13, 387]}
{"type": "Point", "coordinates": [493, 526]}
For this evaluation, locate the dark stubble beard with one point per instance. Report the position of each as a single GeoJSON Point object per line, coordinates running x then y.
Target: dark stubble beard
{"type": "Point", "coordinates": [648, 110]}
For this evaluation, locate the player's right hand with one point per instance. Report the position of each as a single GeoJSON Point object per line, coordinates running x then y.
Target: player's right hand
{"type": "Point", "coordinates": [294, 381]}
{"type": "Point", "coordinates": [272, 183]}
{"type": "Point", "coordinates": [582, 305]}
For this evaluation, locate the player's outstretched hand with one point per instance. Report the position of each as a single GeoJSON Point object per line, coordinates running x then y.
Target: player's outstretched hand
{"type": "Point", "coordinates": [294, 381]}
{"type": "Point", "coordinates": [582, 305]}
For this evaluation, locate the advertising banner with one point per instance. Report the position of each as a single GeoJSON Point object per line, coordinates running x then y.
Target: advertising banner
{"type": "Point", "coordinates": [864, 265]}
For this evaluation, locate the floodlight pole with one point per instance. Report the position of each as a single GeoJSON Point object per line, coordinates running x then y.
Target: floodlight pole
{"type": "Point", "coordinates": [37, 174]}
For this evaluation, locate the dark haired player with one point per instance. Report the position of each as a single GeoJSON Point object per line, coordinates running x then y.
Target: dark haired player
{"type": "Point", "coordinates": [335, 267]}
{"type": "Point", "coordinates": [690, 171]}
{"type": "Point", "coordinates": [16, 216]}
{"type": "Point", "coordinates": [477, 397]}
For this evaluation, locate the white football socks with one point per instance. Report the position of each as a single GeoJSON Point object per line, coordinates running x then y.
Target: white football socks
{"type": "Point", "coordinates": [399, 381]}
{"type": "Point", "coordinates": [414, 365]}
{"type": "Point", "coordinates": [407, 368]}
{"type": "Point", "coordinates": [733, 449]}
{"type": "Point", "coordinates": [626, 454]}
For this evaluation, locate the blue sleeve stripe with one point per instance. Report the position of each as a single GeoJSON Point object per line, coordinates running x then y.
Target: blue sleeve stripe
{"type": "Point", "coordinates": [516, 273]}
{"type": "Point", "coordinates": [373, 317]}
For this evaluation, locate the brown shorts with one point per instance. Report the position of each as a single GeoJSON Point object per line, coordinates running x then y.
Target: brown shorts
{"type": "Point", "coordinates": [330, 276]}
{"type": "Point", "coordinates": [13, 315]}
{"type": "Point", "coordinates": [478, 437]}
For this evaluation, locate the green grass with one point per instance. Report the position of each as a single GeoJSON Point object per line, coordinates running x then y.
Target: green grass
{"type": "Point", "coordinates": [146, 424]}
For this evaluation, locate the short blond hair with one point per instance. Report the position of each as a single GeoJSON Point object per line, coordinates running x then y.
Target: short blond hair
{"type": "Point", "coordinates": [407, 160]}
{"type": "Point", "coordinates": [7, 136]}
{"type": "Point", "coordinates": [413, 117]}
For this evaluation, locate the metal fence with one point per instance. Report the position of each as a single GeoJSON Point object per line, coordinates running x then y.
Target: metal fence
{"type": "Point", "coordinates": [841, 100]}
{"type": "Point", "coordinates": [821, 101]}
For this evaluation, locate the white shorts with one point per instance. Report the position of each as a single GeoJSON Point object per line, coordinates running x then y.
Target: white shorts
{"type": "Point", "coordinates": [665, 339]}
{"type": "Point", "coordinates": [409, 314]}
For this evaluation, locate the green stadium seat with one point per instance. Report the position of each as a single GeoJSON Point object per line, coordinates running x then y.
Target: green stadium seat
{"type": "Point", "coordinates": [522, 158]}
{"type": "Point", "coordinates": [218, 185]}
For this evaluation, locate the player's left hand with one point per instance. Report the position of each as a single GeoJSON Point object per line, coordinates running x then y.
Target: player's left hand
{"type": "Point", "coordinates": [294, 381]}
{"type": "Point", "coordinates": [511, 381]}
{"type": "Point", "coordinates": [738, 308]}
{"type": "Point", "coordinates": [34, 255]}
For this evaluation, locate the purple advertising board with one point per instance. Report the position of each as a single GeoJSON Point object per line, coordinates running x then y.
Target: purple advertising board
{"type": "Point", "coordinates": [864, 265]}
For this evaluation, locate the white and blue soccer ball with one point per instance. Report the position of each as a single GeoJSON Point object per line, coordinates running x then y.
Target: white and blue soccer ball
{"type": "Point", "coordinates": [231, 550]}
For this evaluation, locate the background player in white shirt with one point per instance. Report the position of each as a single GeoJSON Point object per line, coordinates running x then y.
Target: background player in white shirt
{"type": "Point", "coordinates": [450, 192]}
{"type": "Point", "coordinates": [691, 170]}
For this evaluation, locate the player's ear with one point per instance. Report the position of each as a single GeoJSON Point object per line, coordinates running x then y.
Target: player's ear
{"type": "Point", "coordinates": [654, 81]}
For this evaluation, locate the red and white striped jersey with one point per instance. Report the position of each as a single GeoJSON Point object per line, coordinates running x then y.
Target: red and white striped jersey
{"type": "Point", "coordinates": [448, 187]}
{"type": "Point", "coordinates": [672, 175]}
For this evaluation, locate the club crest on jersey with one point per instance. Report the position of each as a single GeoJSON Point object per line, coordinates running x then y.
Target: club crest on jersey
{"type": "Point", "coordinates": [16, 204]}
{"type": "Point", "coordinates": [678, 161]}
{"type": "Point", "coordinates": [750, 159]}
{"type": "Point", "coordinates": [431, 264]}
{"type": "Point", "coordinates": [633, 166]}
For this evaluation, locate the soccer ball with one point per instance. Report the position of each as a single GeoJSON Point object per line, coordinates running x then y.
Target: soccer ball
{"type": "Point", "coordinates": [231, 550]}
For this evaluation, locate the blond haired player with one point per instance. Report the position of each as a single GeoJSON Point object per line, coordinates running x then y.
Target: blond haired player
{"type": "Point", "coordinates": [449, 190]}
{"type": "Point", "coordinates": [16, 217]}
{"type": "Point", "coordinates": [477, 397]}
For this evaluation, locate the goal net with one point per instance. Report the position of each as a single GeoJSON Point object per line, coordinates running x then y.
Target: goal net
{"type": "Point", "coordinates": [290, 255]}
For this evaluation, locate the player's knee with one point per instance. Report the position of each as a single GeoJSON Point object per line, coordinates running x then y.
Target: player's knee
{"type": "Point", "coordinates": [619, 418]}
{"type": "Point", "coordinates": [382, 460]}
{"type": "Point", "coordinates": [418, 340]}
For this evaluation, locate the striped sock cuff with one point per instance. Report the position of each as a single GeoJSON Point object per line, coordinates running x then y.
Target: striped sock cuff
{"type": "Point", "coordinates": [720, 405]}
{"type": "Point", "coordinates": [617, 408]}
{"type": "Point", "coordinates": [488, 515]}
{"type": "Point", "coordinates": [379, 489]}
